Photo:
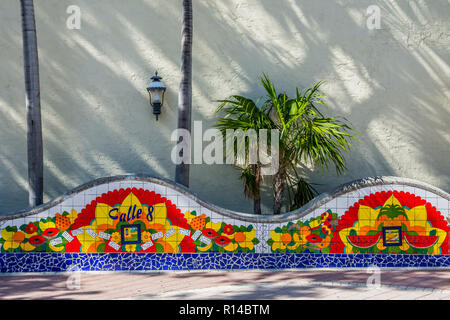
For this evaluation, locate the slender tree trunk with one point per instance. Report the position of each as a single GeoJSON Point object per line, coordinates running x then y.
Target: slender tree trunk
{"type": "Point", "coordinates": [185, 92]}
{"type": "Point", "coordinates": [256, 168]}
{"type": "Point", "coordinates": [33, 104]}
{"type": "Point", "coordinates": [257, 205]}
{"type": "Point", "coordinates": [279, 183]}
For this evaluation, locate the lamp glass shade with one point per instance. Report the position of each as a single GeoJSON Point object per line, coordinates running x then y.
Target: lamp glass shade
{"type": "Point", "coordinates": [156, 95]}
{"type": "Point", "coordinates": [156, 90]}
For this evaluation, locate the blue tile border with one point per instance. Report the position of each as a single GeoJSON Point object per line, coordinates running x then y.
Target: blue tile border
{"type": "Point", "coordinates": [61, 262]}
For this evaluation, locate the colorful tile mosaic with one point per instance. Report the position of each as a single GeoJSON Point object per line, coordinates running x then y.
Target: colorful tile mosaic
{"type": "Point", "coordinates": [131, 261]}
{"type": "Point", "coordinates": [143, 225]}
{"type": "Point", "coordinates": [128, 220]}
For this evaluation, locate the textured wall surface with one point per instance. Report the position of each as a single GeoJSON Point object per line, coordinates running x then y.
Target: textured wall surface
{"type": "Point", "coordinates": [99, 225]}
{"type": "Point", "coordinates": [392, 84]}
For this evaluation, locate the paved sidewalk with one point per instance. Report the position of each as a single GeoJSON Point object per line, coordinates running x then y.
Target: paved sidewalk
{"type": "Point", "coordinates": [295, 284]}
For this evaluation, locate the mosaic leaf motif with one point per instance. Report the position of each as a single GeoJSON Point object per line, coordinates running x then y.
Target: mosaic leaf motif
{"type": "Point", "coordinates": [314, 235]}
{"type": "Point", "coordinates": [222, 237]}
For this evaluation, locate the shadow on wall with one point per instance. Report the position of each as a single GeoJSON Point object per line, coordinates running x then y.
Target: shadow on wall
{"type": "Point", "coordinates": [392, 85]}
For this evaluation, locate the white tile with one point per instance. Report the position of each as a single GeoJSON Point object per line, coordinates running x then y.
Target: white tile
{"type": "Point", "coordinates": [160, 190]}
{"type": "Point", "coordinates": [148, 186]}
{"type": "Point", "coordinates": [409, 189]}
{"type": "Point", "coordinates": [96, 190]}
{"type": "Point", "coordinates": [113, 186]}
{"type": "Point", "coordinates": [419, 192]}
{"type": "Point", "coordinates": [137, 184]}
{"type": "Point", "coordinates": [332, 204]}
{"type": "Point", "coordinates": [385, 188]}
{"type": "Point", "coordinates": [353, 194]}
{"type": "Point", "coordinates": [125, 184]}
{"type": "Point", "coordinates": [193, 203]}
{"type": "Point", "coordinates": [173, 199]}
{"type": "Point", "coordinates": [442, 204]}
{"type": "Point", "coordinates": [182, 201]}
{"type": "Point", "coordinates": [171, 192]}
{"type": "Point", "coordinates": [342, 203]}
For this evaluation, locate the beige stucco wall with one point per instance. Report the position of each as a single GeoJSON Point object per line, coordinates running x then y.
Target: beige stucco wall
{"type": "Point", "coordinates": [392, 84]}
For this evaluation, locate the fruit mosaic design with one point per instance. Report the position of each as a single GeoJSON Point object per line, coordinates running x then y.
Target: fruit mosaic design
{"type": "Point", "coordinates": [220, 236]}
{"type": "Point", "coordinates": [198, 223]}
{"type": "Point", "coordinates": [313, 235]}
{"type": "Point", "coordinates": [391, 223]}
{"type": "Point", "coordinates": [138, 220]}
{"type": "Point", "coordinates": [62, 221]}
{"type": "Point", "coordinates": [382, 223]}
{"type": "Point", "coordinates": [131, 220]}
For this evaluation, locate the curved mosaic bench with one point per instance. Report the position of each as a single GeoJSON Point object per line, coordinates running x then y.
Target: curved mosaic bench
{"type": "Point", "coordinates": [137, 222]}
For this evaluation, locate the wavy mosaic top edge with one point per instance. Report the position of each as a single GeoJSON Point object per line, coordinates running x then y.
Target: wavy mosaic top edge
{"type": "Point", "coordinates": [265, 218]}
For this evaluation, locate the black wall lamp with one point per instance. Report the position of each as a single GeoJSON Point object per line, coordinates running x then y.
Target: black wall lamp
{"type": "Point", "coordinates": [156, 91]}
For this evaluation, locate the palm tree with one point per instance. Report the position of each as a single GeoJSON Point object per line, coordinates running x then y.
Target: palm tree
{"type": "Point", "coordinates": [306, 136]}
{"type": "Point", "coordinates": [245, 114]}
{"type": "Point", "coordinates": [33, 104]}
{"type": "Point", "coordinates": [185, 92]}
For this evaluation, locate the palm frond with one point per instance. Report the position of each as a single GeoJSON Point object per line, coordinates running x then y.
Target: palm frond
{"type": "Point", "coordinates": [305, 134]}
{"type": "Point", "coordinates": [302, 192]}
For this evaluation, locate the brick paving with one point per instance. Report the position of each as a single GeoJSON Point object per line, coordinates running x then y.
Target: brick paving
{"type": "Point", "coordinates": [295, 284]}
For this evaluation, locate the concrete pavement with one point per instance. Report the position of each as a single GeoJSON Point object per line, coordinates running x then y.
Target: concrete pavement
{"type": "Point", "coordinates": [196, 285]}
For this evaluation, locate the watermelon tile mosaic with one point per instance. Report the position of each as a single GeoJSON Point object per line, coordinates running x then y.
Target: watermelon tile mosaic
{"type": "Point", "coordinates": [144, 223]}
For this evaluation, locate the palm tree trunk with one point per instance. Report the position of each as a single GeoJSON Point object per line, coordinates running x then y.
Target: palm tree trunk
{"type": "Point", "coordinates": [279, 183]}
{"type": "Point", "coordinates": [33, 104]}
{"type": "Point", "coordinates": [185, 92]}
{"type": "Point", "coordinates": [257, 205]}
{"type": "Point", "coordinates": [257, 196]}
